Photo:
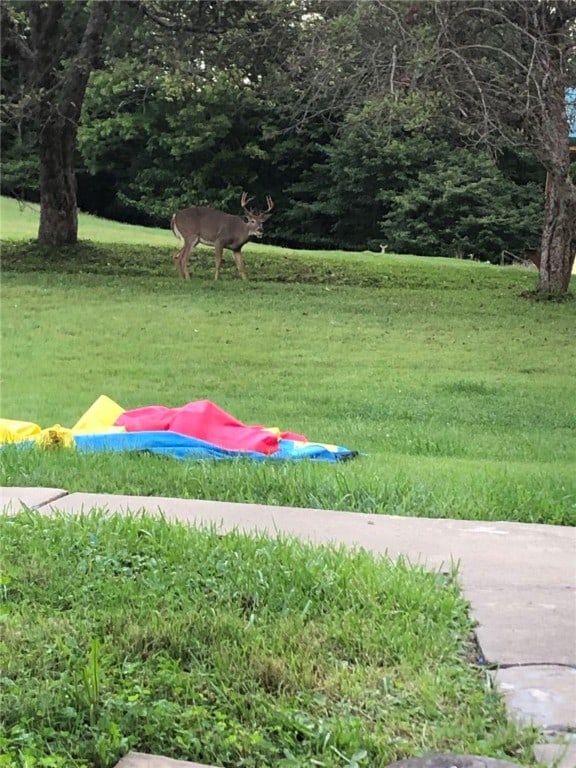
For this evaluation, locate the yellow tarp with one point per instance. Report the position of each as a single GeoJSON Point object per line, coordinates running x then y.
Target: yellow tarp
{"type": "Point", "coordinates": [12, 431]}
{"type": "Point", "coordinates": [100, 417]}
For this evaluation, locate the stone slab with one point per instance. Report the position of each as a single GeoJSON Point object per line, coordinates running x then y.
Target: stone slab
{"type": "Point", "coordinates": [557, 754]}
{"type": "Point", "coordinates": [525, 624]}
{"type": "Point", "coordinates": [505, 569]}
{"type": "Point", "coordinates": [544, 696]}
{"type": "Point", "coordinates": [13, 499]}
{"type": "Point", "coordinates": [142, 760]}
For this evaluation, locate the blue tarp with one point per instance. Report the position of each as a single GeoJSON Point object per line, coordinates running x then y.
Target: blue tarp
{"type": "Point", "coordinates": [183, 447]}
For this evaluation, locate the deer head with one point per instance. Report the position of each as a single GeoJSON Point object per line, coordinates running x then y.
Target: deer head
{"type": "Point", "coordinates": [255, 221]}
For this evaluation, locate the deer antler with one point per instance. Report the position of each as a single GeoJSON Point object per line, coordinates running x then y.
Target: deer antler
{"type": "Point", "coordinates": [269, 203]}
{"type": "Point", "coordinates": [244, 200]}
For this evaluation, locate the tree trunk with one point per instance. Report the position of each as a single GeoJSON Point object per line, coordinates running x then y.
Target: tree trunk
{"type": "Point", "coordinates": [58, 208]}
{"type": "Point", "coordinates": [60, 67]}
{"type": "Point", "coordinates": [558, 247]}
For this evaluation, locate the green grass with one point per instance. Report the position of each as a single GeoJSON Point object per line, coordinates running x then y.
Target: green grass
{"type": "Point", "coordinates": [19, 221]}
{"type": "Point", "coordinates": [123, 634]}
{"type": "Point", "coordinates": [458, 392]}
{"type": "Point", "coordinates": [462, 400]}
{"type": "Point", "coordinates": [237, 651]}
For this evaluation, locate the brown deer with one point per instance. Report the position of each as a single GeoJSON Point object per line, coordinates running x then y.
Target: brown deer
{"type": "Point", "coordinates": [222, 230]}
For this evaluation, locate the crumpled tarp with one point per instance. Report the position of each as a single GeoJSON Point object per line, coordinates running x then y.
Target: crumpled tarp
{"type": "Point", "coordinates": [204, 420]}
{"type": "Point", "coordinates": [199, 430]}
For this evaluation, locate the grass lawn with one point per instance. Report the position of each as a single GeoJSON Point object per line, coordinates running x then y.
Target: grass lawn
{"type": "Point", "coordinates": [236, 651]}
{"type": "Point", "coordinates": [459, 392]}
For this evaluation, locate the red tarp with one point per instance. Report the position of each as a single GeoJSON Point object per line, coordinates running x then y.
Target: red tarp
{"type": "Point", "coordinates": [204, 420]}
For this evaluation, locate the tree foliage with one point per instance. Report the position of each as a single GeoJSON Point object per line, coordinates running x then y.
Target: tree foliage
{"type": "Point", "coordinates": [179, 143]}
{"type": "Point", "coordinates": [427, 126]}
{"type": "Point", "coordinates": [499, 71]}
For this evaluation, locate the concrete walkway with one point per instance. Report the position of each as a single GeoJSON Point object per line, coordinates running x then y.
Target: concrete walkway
{"type": "Point", "coordinates": [519, 578]}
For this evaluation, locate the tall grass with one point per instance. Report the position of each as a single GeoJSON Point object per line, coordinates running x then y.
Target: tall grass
{"type": "Point", "coordinates": [124, 634]}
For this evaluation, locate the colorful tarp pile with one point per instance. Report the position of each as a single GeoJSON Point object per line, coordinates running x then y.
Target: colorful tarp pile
{"type": "Point", "coordinates": [197, 430]}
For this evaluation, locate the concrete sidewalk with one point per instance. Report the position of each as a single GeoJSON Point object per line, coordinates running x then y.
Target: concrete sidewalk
{"type": "Point", "coordinates": [519, 578]}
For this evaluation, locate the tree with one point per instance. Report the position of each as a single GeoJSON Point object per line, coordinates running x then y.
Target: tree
{"type": "Point", "coordinates": [189, 109]}
{"type": "Point", "coordinates": [460, 204]}
{"type": "Point", "coordinates": [499, 70]}
{"type": "Point", "coordinates": [505, 66]}
{"type": "Point", "coordinates": [413, 186]}
{"type": "Point", "coordinates": [188, 142]}
{"type": "Point", "coordinates": [56, 45]}
{"type": "Point", "coordinates": [49, 50]}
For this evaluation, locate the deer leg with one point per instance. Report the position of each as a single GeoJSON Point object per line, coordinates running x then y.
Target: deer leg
{"type": "Point", "coordinates": [240, 264]}
{"type": "Point", "coordinates": [183, 262]}
{"type": "Point", "coordinates": [176, 258]}
{"type": "Point", "coordinates": [183, 257]}
{"type": "Point", "coordinates": [217, 259]}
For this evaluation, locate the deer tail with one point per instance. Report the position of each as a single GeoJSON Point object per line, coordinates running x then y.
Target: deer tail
{"type": "Point", "coordinates": [174, 228]}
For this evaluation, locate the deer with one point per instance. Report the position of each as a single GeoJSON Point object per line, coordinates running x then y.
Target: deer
{"type": "Point", "coordinates": [221, 230]}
